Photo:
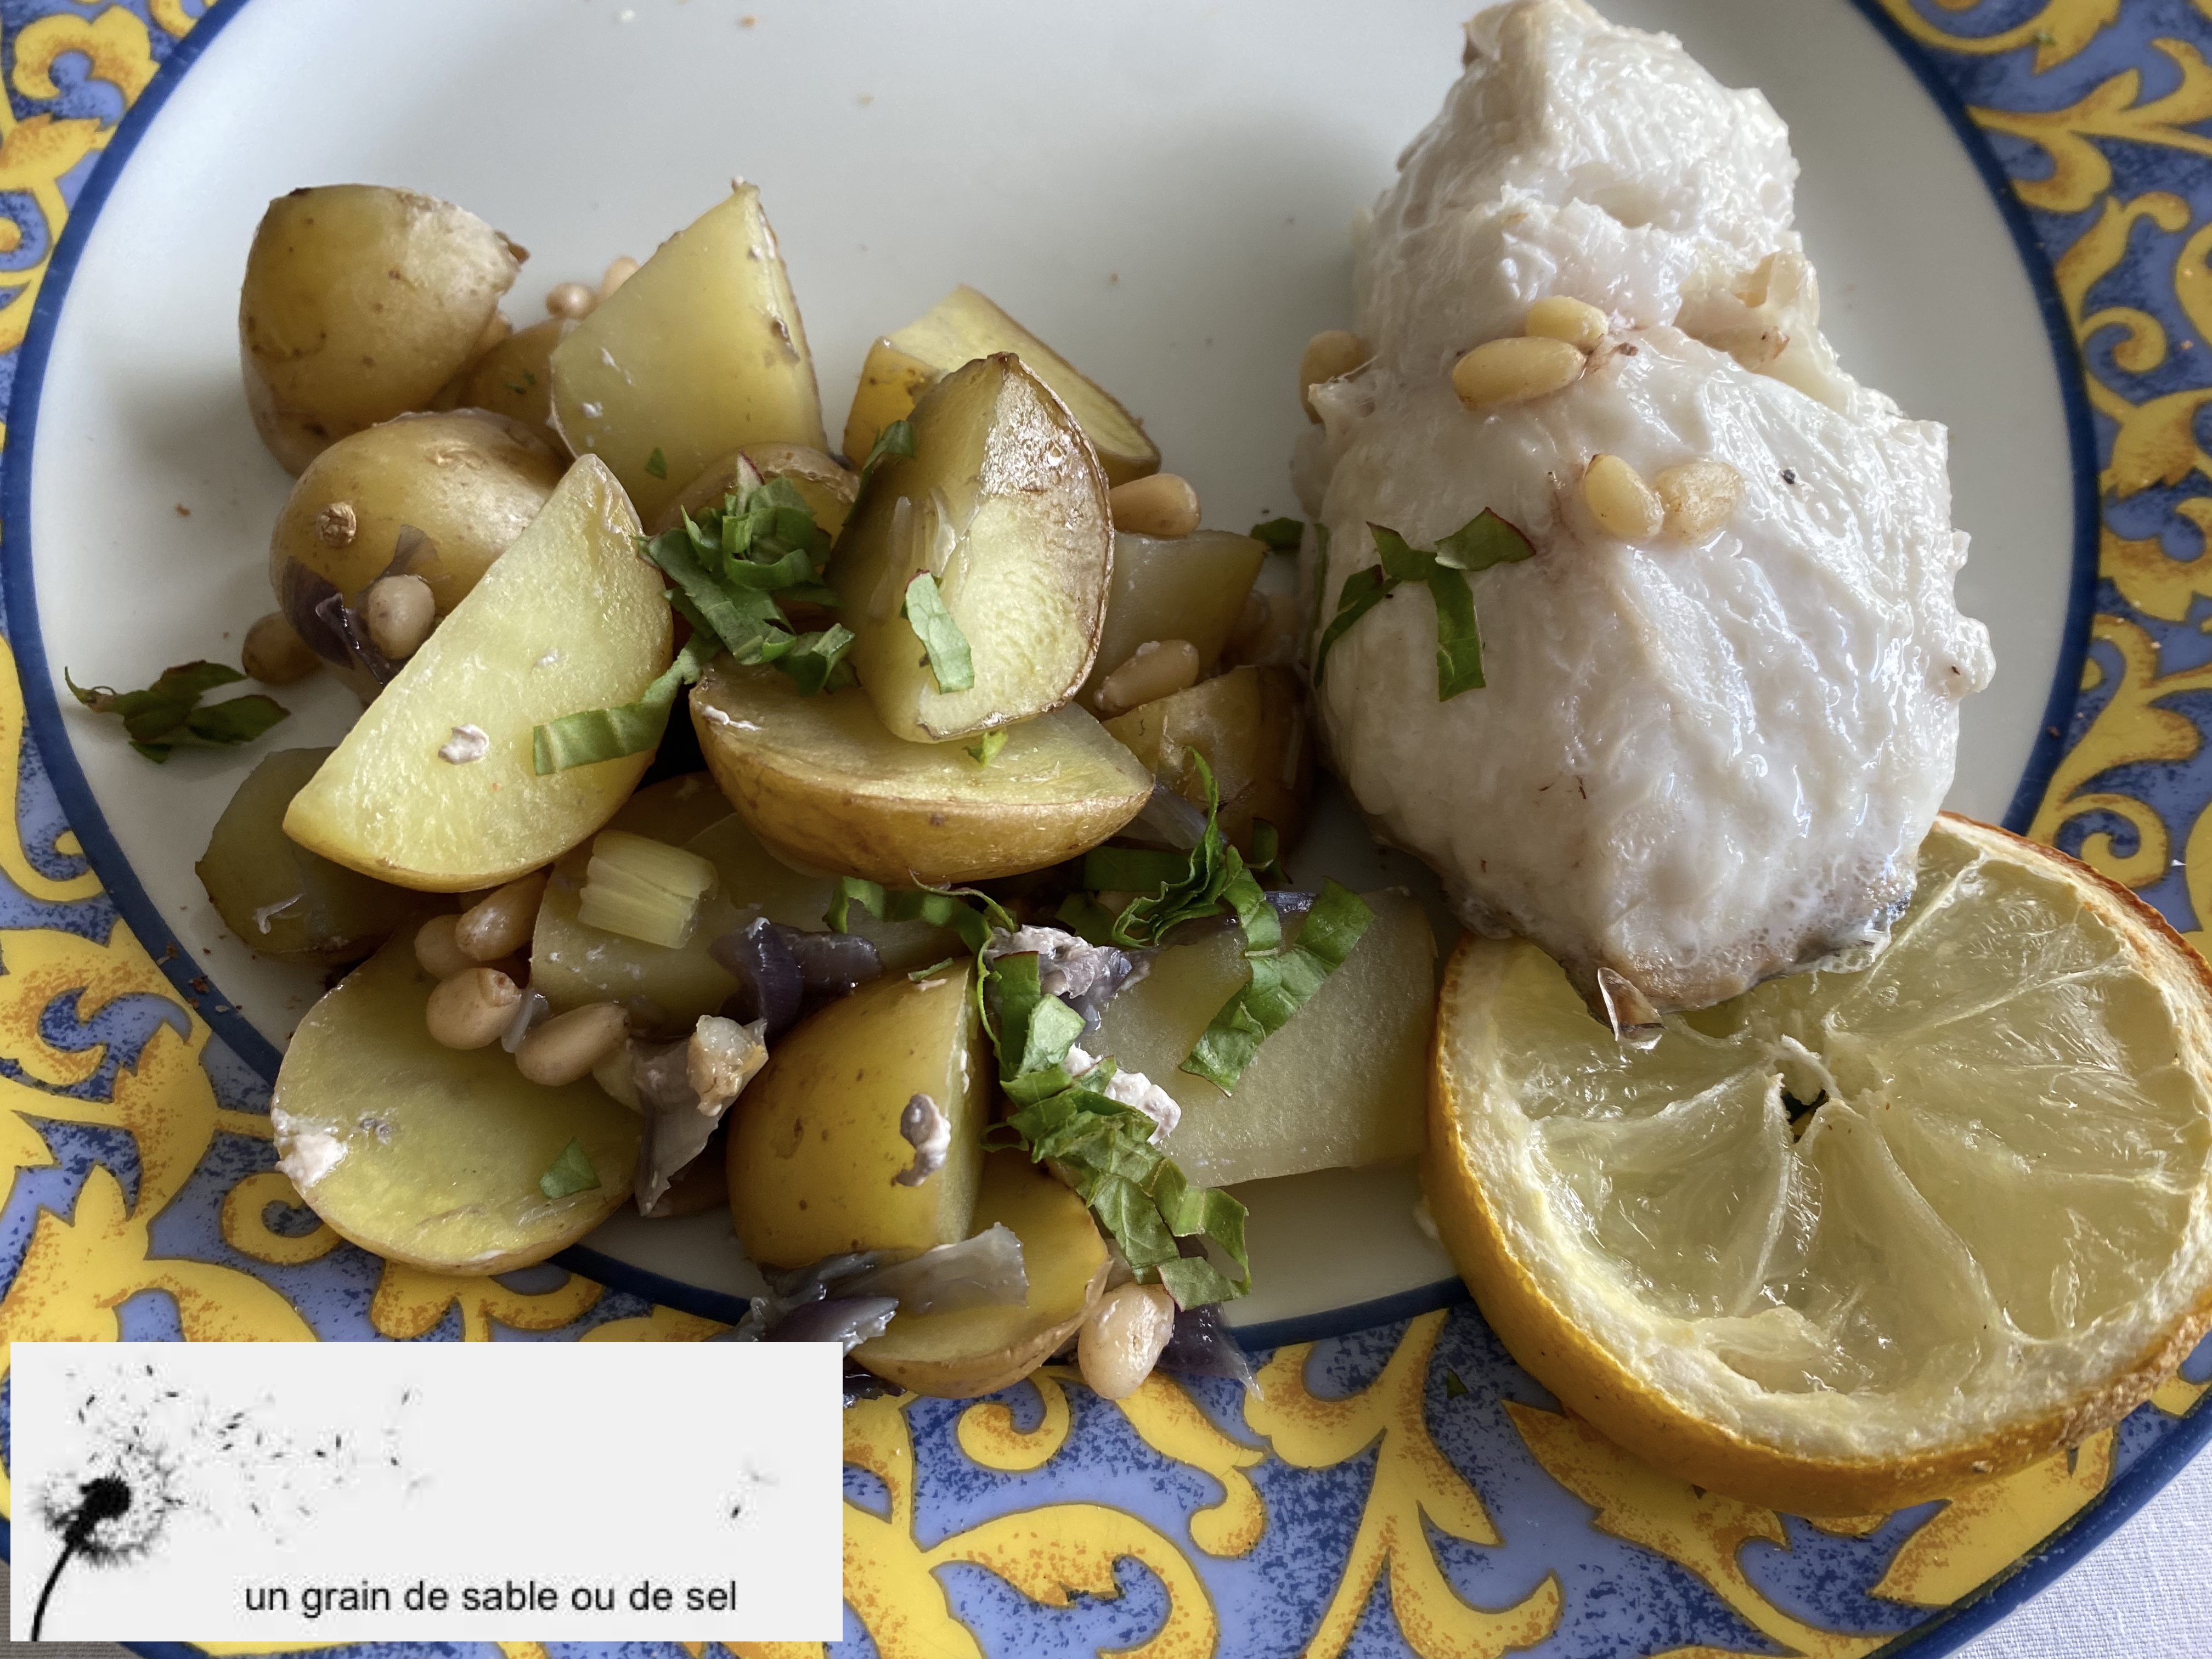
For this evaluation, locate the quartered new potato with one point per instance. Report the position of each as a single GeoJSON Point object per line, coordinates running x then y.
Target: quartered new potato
{"type": "Point", "coordinates": [1250, 729]}
{"type": "Point", "coordinates": [434, 787]}
{"type": "Point", "coordinates": [442, 495]}
{"type": "Point", "coordinates": [428, 1155]}
{"type": "Point", "coordinates": [815, 1142]}
{"type": "Point", "coordinates": [1345, 1083]}
{"type": "Point", "coordinates": [360, 303]}
{"type": "Point", "coordinates": [700, 351]}
{"type": "Point", "coordinates": [1190, 587]}
{"type": "Point", "coordinates": [282, 900]}
{"type": "Point", "coordinates": [515, 378]}
{"type": "Point", "coordinates": [960, 328]}
{"type": "Point", "coordinates": [828, 488]}
{"type": "Point", "coordinates": [1002, 506]}
{"type": "Point", "coordinates": [824, 786]}
{"type": "Point", "coordinates": [982, 1350]}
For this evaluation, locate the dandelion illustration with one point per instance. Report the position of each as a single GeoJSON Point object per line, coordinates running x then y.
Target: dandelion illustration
{"type": "Point", "coordinates": [110, 1510]}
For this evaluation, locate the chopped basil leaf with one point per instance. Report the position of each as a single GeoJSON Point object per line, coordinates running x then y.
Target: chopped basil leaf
{"type": "Point", "coordinates": [604, 734]}
{"type": "Point", "coordinates": [168, 714]}
{"type": "Point", "coordinates": [572, 1172]}
{"type": "Point", "coordinates": [657, 463]}
{"type": "Point", "coordinates": [1362, 592]}
{"type": "Point", "coordinates": [1085, 917]}
{"type": "Point", "coordinates": [1483, 541]}
{"type": "Point", "coordinates": [940, 636]}
{"type": "Point", "coordinates": [897, 439]}
{"type": "Point", "coordinates": [946, 906]}
{"type": "Point", "coordinates": [984, 752]}
{"type": "Point", "coordinates": [815, 662]}
{"type": "Point", "coordinates": [1282, 983]}
{"type": "Point", "coordinates": [1187, 886]}
{"type": "Point", "coordinates": [1035, 1031]}
{"type": "Point", "coordinates": [1280, 535]}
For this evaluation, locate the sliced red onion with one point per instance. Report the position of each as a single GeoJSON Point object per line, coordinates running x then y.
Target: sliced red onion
{"type": "Point", "coordinates": [345, 623]}
{"type": "Point", "coordinates": [532, 1008]}
{"type": "Point", "coordinates": [847, 1321]}
{"type": "Point", "coordinates": [985, 1271]}
{"type": "Point", "coordinates": [1173, 818]}
{"type": "Point", "coordinates": [770, 986]}
{"type": "Point", "coordinates": [1202, 1344]}
{"type": "Point", "coordinates": [831, 964]}
{"type": "Point", "coordinates": [720, 1055]}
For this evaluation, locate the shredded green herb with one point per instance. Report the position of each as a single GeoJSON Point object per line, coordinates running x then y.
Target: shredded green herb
{"type": "Point", "coordinates": [600, 734]}
{"type": "Point", "coordinates": [1483, 541]}
{"type": "Point", "coordinates": [657, 463]}
{"type": "Point", "coordinates": [1284, 979]}
{"type": "Point", "coordinates": [1280, 535]}
{"type": "Point", "coordinates": [572, 1172]}
{"type": "Point", "coordinates": [987, 750]}
{"type": "Point", "coordinates": [897, 439]}
{"type": "Point", "coordinates": [168, 714]}
{"type": "Point", "coordinates": [940, 636]}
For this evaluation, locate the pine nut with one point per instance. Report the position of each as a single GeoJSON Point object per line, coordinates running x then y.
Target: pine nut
{"type": "Point", "coordinates": [1619, 499]}
{"type": "Point", "coordinates": [401, 611]}
{"type": "Point", "coordinates": [1162, 505]}
{"type": "Point", "coordinates": [1700, 498]}
{"type": "Point", "coordinates": [1156, 669]}
{"type": "Point", "coordinates": [471, 1009]}
{"type": "Point", "coordinates": [1578, 322]}
{"type": "Point", "coordinates": [1123, 1339]}
{"type": "Point", "coordinates": [566, 1047]}
{"type": "Point", "coordinates": [1329, 356]}
{"type": "Point", "coordinates": [442, 959]}
{"type": "Point", "coordinates": [274, 652]}
{"type": "Point", "coordinates": [1512, 371]}
{"type": "Point", "coordinates": [502, 921]}
{"type": "Point", "coordinates": [570, 300]}
{"type": "Point", "coordinates": [619, 270]}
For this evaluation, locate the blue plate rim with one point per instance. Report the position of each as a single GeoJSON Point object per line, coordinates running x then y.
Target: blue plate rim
{"type": "Point", "coordinates": [1946, 1630]}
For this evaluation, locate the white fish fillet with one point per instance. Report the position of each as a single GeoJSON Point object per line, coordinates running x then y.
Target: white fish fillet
{"type": "Point", "coordinates": [1691, 767]}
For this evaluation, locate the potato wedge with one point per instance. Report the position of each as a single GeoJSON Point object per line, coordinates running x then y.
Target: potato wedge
{"type": "Point", "coordinates": [282, 900]}
{"type": "Point", "coordinates": [1250, 727]}
{"type": "Point", "coordinates": [1345, 1083]}
{"type": "Point", "coordinates": [700, 351]}
{"type": "Point", "coordinates": [1004, 506]}
{"type": "Point", "coordinates": [961, 327]}
{"type": "Point", "coordinates": [828, 489]}
{"type": "Point", "coordinates": [515, 379]}
{"type": "Point", "coordinates": [815, 1142]}
{"type": "Point", "coordinates": [1192, 587]}
{"type": "Point", "coordinates": [359, 304]}
{"type": "Point", "coordinates": [429, 1155]}
{"type": "Point", "coordinates": [569, 618]}
{"type": "Point", "coordinates": [467, 481]}
{"type": "Point", "coordinates": [823, 786]}
{"type": "Point", "coordinates": [955, 1356]}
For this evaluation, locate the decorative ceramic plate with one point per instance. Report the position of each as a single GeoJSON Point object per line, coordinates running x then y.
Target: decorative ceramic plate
{"type": "Point", "coordinates": [2009, 202]}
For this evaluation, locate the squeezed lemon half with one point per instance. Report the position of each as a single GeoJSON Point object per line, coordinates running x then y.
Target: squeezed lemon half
{"type": "Point", "coordinates": [1851, 1240]}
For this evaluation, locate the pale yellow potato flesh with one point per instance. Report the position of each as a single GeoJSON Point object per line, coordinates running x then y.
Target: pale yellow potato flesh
{"type": "Point", "coordinates": [428, 1155]}
{"type": "Point", "coordinates": [469, 481]}
{"type": "Point", "coordinates": [700, 351]}
{"type": "Point", "coordinates": [961, 327]}
{"type": "Point", "coordinates": [359, 304]}
{"type": "Point", "coordinates": [282, 900]}
{"type": "Point", "coordinates": [825, 787]}
{"type": "Point", "coordinates": [1190, 587]}
{"type": "Point", "coordinates": [1249, 727]}
{"type": "Point", "coordinates": [1345, 1083]}
{"type": "Point", "coordinates": [815, 1141]}
{"type": "Point", "coordinates": [955, 1356]}
{"type": "Point", "coordinates": [1003, 505]}
{"type": "Point", "coordinates": [515, 379]}
{"type": "Point", "coordinates": [827, 488]}
{"type": "Point", "coordinates": [569, 618]}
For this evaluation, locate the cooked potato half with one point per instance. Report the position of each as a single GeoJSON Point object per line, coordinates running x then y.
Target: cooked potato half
{"type": "Point", "coordinates": [434, 788]}
{"type": "Point", "coordinates": [961, 327]}
{"type": "Point", "coordinates": [467, 482]}
{"type": "Point", "coordinates": [826, 486]}
{"type": "Point", "coordinates": [700, 351]}
{"type": "Point", "coordinates": [1192, 588]}
{"type": "Point", "coordinates": [360, 303]}
{"type": "Point", "coordinates": [515, 379]}
{"type": "Point", "coordinates": [1251, 728]}
{"type": "Point", "coordinates": [1003, 507]}
{"type": "Point", "coordinates": [824, 787]}
{"type": "Point", "coordinates": [816, 1147]}
{"type": "Point", "coordinates": [430, 1155]}
{"type": "Point", "coordinates": [1345, 1083]}
{"type": "Point", "coordinates": [280, 899]}
{"type": "Point", "coordinates": [955, 1356]}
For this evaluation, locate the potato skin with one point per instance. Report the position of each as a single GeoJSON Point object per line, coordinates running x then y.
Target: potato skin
{"type": "Point", "coordinates": [515, 378]}
{"type": "Point", "coordinates": [468, 480]}
{"type": "Point", "coordinates": [359, 303]}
